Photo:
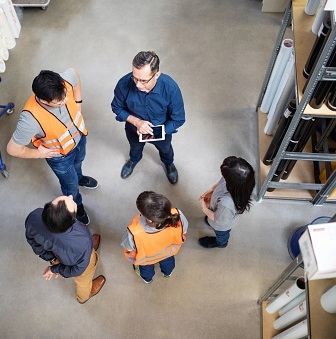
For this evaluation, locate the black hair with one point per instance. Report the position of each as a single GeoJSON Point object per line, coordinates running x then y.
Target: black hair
{"type": "Point", "coordinates": [49, 86]}
{"type": "Point", "coordinates": [57, 218]}
{"type": "Point", "coordinates": [240, 181]}
{"type": "Point", "coordinates": [147, 58]}
{"type": "Point", "coordinates": [156, 208]}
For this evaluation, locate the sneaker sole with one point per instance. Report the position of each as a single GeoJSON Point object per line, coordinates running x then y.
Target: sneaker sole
{"type": "Point", "coordinates": [90, 188]}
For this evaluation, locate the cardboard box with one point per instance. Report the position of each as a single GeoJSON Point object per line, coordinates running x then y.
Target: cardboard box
{"type": "Point", "coordinates": [330, 5]}
{"type": "Point", "coordinates": [318, 250]}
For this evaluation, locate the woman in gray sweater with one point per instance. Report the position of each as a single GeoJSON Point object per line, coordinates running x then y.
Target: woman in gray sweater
{"type": "Point", "coordinates": [225, 200]}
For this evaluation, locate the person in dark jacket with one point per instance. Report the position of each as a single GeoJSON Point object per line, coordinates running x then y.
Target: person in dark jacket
{"type": "Point", "coordinates": [56, 236]}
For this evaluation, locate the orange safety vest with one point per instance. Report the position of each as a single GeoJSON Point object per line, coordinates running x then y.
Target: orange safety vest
{"type": "Point", "coordinates": [56, 134]}
{"type": "Point", "coordinates": [154, 247]}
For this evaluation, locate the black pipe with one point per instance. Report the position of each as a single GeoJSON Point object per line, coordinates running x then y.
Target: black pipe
{"type": "Point", "coordinates": [317, 47]}
{"type": "Point", "coordinates": [331, 103]}
{"type": "Point", "coordinates": [300, 132]}
{"type": "Point", "coordinates": [284, 122]}
{"type": "Point", "coordinates": [301, 145]}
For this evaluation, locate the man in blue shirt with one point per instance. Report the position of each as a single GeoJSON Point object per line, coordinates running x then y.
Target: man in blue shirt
{"type": "Point", "coordinates": [56, 236]}
{"type": "Point", "coordinates": [146, 98]}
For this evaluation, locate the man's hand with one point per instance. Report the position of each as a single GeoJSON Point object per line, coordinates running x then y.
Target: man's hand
{"type": "Point", "coordinates": [22, 151]}
{"type": "Point", "coordinates": [47, 152]}
{"type": "Point", "coordinates": [144, 127]}
{"type": "Point", "coordinates": [47, 274]}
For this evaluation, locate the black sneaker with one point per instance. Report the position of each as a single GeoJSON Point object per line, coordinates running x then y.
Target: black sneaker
{"type": "Point", "coordinates": [88, 182]}
{"type": "Point", "coordinates": [210, 242]}
{"type": "Point", "coordinates": [82, 215]}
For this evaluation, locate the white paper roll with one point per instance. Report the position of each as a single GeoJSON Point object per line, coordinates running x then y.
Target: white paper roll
{"type": "Point", "coordinates": [297, 313]}
{"type": "Point", "coordinates": [281, 97]}
{"type": "Point", "coordinates": [328, 300]}
{"type": "Point", "coordinates": [311, 7]}
{"type": "Point", "coordinates": [295, 332]}
{"type": "Point", "coordinates": [7, 37]}
{"type": "Point", "coordinates": [299, 299]}
{"type": "Point", "coordinates": [288, 295]}
{"type": "Point", "coordinates": [320, 15]}
{"type": "Point", "coordinates": [2, 66]}
{"type": "Point", "coordinates": [278, 69]}
{"type": "Point", "coordinates": [4, 54]}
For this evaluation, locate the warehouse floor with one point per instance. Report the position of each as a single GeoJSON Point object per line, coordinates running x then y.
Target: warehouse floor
{"type": "Point", "coordinates": [218, 52]}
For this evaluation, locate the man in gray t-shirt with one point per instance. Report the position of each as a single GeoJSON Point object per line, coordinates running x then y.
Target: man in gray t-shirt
{"type": "Point", "coordinates": [52, 121]}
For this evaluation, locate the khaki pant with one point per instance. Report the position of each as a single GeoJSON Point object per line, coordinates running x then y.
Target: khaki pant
{"type": "Point", "coordinates": [84, 281]}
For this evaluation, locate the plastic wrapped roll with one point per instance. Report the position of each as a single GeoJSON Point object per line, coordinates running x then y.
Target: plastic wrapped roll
{"type": "Point", "coordinates": [331, 102]}
{"type": "Point", "coordinates": [305, 136]}
{"type": "Point", "coordinates": [317, 47]}
{"type": "Point", "coordinates": [299, 312]}
{"type": "Point", "coordinates": [328, 300]}
{"type": "Point", "coordinates": [6, 36]}
{"type": "Point", "coordinates": [320, 15]}
{"type": "Point", "coordinates": [302, 131]}
{"type": "Point", "coordinates": [311, 7]}
{"type": "Point", "coordinates": [282, 96]}
{"type": "Point", "coordinates": [2, 66]}
{"type": "Point", "coordinates": [284, 122]}
{"type": "Point", "coordinates": [278, 69]}
{"type": "Point", "coordinates": [298, 300]}
{"type": "Point", "coordinates": [298, 331]}
{"type": "Point", "coordinates": [285, 297]}
{"type": "Point", "coordinates": [4, 54]}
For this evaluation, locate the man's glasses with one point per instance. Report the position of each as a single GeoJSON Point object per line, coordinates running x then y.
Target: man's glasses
{"type": "Point", "coordinates": [144, 82]}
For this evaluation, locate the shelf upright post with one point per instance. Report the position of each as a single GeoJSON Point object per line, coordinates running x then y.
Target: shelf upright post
{"type": "Point", "coordinates": [285, 21]}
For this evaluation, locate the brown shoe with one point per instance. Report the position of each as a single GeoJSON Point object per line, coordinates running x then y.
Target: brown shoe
{"type": "Point", "coordinates": [97, 285]}
{"type": "Point", "coordinates": [96, 241]}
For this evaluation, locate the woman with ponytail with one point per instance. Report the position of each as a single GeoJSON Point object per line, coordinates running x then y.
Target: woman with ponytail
{"type": "Point", "coordinates": [154, 236]}
{"type": "Point", "coordinates": [224, 201]}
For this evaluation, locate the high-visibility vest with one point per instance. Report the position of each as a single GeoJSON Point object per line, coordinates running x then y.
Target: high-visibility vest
{"type": "Point", "coordinates": [56, 134]}
{"type": "Point", "coordinates": [154, 247]}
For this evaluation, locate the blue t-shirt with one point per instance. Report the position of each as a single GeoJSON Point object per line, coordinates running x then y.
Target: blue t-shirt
{"type": "Point", "coordinates": [163, 105]}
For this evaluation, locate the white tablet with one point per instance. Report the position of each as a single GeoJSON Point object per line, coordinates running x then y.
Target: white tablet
{"type": "Point", "coordinates": [158, 134]}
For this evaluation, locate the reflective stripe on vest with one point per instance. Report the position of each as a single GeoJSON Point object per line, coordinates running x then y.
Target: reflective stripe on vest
{"type": "Point", "coordinates": [56, 134]}
{"type": "Point", "coordinates": [154, 247]}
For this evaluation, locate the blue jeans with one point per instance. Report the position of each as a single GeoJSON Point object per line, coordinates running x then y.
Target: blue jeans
{"type": "Point", "coordinates": [222, 237]}
{"type": "Point", "coordinates": [164, 147]}
{"type": "Point", "coordinates": [68, 170]}
{"type": "Point", "coordinates": [166, 266]}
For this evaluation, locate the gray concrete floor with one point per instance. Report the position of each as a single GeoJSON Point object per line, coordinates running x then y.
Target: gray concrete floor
{"type": "Point", "coordinates": [218, 52]}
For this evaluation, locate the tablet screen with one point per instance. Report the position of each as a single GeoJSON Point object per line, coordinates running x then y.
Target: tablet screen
{"type": "Point", "coordinates": [158, 134]}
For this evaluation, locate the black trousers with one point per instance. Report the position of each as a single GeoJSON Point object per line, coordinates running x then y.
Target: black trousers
{"type": "Point", "coordinates": [164, 147]}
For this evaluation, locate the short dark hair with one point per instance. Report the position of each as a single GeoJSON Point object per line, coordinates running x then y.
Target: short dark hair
{"type": "Point", "coordinates": [147, 58]}
{"type": "Point", "coordinates": [240, 181]}
{"type": "Point", "coordinates": [57, 218]}
{"type": "Point", "coordinates": [49, 86]}
{"type": "Point", "coordinates": [157, 208]}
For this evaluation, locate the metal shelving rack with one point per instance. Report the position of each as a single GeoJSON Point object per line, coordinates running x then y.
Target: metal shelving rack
{"type": "Point", "coordinates": [321, 324]}
{"type": "Point", "coordinates": [295, 10]}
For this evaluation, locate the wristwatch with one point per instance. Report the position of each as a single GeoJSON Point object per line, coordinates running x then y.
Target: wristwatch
{"type": "Point", "coordinates": [52, 261]}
